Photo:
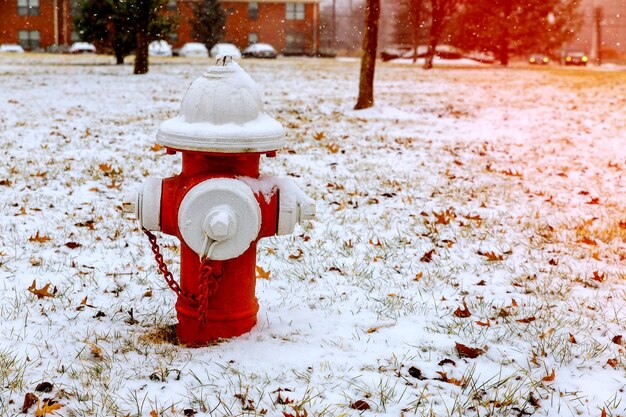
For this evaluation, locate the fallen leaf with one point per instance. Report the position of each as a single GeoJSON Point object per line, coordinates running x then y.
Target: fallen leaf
{"type": "Point", "coordinates": [428, 256]}
{"type": "Point", "coordinates": [618, 340]}
{"type": "Point", "coordinates": [462, 313]}
{"type": "Point", "coordinates": [549, 377]}
{"type": "Point", "coordinates": [572, 339]}
{"type": "Point", "coordinates": [49, 406]}
{"type": "Point", "coordinates": [156, 147]}
{"type": "Point", "coordinates": [466, 351]}
{"type": "Point", "coordinates": [416, 373]}
{"type": "Point", "coordinates": [491, 256]}
{"type": "Point", "coordinates": [588, 241]}
{"type": "Point", "coordinates": [360, 405]}
{"type": "Point", "coordinates": [484, 323]}
{"type": "Point", "coordinates": [39, 238]}
{"type": "Point", "coordinates": [296, 255]}
{"type": "Point", "coordinates": [603, 413]}
{"type": "Point", "coordinates": [44, 387]}
{"type": "Point", "coordinates": [446, 361]}
{"type": "Point", "coordinates": [154, 414]}
{"type": "Point", "coordinates": [41, 292]}
{"type": "Point", "coordinates": [418, 276]}
{"type": "Point", "coordinates": [613, 362]}
{"type": "Point", "coordinates": [527, 320]}
{"type": "Point", "coordinates": [73, 245]}
{"type": "Point", "coordinates": [318, 135]}
{"type": "Point", "coordinates": [597, 277]}
{"type": "Point", "coordinates": [29, 400]}
{"type": "Point", "coordinates": [262, 273]}
{"type": "Point", "coordinates": [445, 378]}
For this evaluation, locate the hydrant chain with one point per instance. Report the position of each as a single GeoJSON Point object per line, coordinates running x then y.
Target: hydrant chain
{"type": "Point", "coordinates": [169, 278]}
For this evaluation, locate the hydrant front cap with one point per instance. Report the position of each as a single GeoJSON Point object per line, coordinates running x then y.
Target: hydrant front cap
{"type": "Point", "coordinates": [222, 111]}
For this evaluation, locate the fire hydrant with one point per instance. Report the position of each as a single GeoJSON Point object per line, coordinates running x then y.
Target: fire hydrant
{"type": "Point", "coordinates": [219, 206]}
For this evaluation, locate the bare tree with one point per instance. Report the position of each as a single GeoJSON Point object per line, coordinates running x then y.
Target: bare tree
{"type": "Point", "coordinates": [368, 59]}
{"type": "Point", "coordinates": [440, 14]}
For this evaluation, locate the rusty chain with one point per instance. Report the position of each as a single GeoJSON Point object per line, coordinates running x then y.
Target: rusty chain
{"type": "Point", "coordinates": [208, 280]}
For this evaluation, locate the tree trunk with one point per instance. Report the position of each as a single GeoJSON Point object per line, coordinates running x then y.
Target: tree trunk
{"type": "Point", "coordinates": [503, 48]}
{"type": "Point", "coordinates": [368, 60]}
{"type": "Point", "coordinates": [119, 56]}
{"type": "Point", "coordinates": [416, 6]}
{"type": "Point", "coordinates": [141, 53]}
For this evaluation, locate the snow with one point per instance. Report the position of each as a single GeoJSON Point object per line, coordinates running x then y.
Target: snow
{"type": "Point", "coordinates": [501, 190]}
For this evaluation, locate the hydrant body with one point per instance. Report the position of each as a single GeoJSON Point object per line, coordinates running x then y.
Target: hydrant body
{"type": "Point", "coordinates": [219, 206]}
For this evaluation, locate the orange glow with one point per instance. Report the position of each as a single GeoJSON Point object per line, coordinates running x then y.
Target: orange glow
{"type": "Point", "coordinates": [585, 59]}
{"type": "Point", "coordinates": [568, 59]}
{"type": "Point", "coordinates": [532, 59]}
{"type": "Point", "coordinates": [545, 59]}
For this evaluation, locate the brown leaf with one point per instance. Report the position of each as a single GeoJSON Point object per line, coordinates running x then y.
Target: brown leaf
{"type": "Point", "coordinates": [29, 400]}
{"type": "Point", "coordinates": [527, 320]}
{"type": "Point", "coordinates": [39, 238]}
{"type": "Point", "coordinates": [418, 276]}
{"type": "Point", "coordinates": [318, 135]}
{"type": "Point", "coordinates": [491, 256]}
{"type": "Point", "coordinates": [41, 292]}
{"type": "Point", "coordinates": [462, 313]}
{"type": "Point", "coordinates": [156, 147]}
{"type": "Point", "coordinates": [618, 340]}
{"type": "Point", "coordinates": [588, 241]}
{"type": "Point", "coordinates": [44, 387]}
{"type": "Point", "coordinates": [484, 324]}
{"type": "Point", "coordinates": [153, 413]}
{"type": "Point", "coordinates": [360, 405]}
{"type": "Point", "coordinates": [428, 256]}
{"type": "Point", "coordinates": [466, 351]}
{"type": "Point", "coordinates": [603, 413]}
{"type": "Point", "coordinates": [106, 168]}
{"type": "Point", "coordinates": [454, 381]}
{"type": "Point", "coordinates": [296, 255]}
{"type": "Point", "coordinates": [613, 362]}
{"type": "Point", "coordinates": [597, 277]}
{"type": "Point", "coordinates": [73, 245]}
{"type": "Point", "coordinates": [549, 377]}
{"type": "Point", "coordinates": [572, 339]}
{"type": "Point", "coordinates": [261, 273]}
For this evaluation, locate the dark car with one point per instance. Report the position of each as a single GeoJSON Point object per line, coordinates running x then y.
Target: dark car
{"type": "Point", "coordinates": [576, 58]}
{"type": "Point", "coordinates": [538, 59]}
{"type": "Point", "coordinates": [259, 50]}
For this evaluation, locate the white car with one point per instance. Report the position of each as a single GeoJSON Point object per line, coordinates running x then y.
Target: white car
{"type": "Point", "coordinates": [260, 50]}
{"type": "Point", "coordinates": [82, 48]}
{"type": "Point", "coordinates": [159, 48]}
{"type": "Point", "coordinates": [194, 49]}
{"type": "Point", "coordinates": [223, 49]}
{"type": "Point", "coordinates": [11, 47]}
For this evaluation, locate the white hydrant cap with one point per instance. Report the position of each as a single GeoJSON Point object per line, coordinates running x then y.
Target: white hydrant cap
{"type": "Point", "coordinates": [222, 111]}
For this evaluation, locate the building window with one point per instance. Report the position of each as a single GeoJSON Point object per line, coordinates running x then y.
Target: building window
{"type": "Point", "coordinates": [29, 39]}
{"type": "Point", "coordinates": [28, 7]}
{"type": "Point", "coordinates": [253, 38]}
{"type": "Point", "coordinates": [253, 10]}
{"type": "Point", "coordinates": [173, 37]}
{"type": "Point", "coordinates": [172, 4]}
{"type": "Point", "coordinates": [74, 37]}
{"type": "Point", "coordinates": [294, 11]}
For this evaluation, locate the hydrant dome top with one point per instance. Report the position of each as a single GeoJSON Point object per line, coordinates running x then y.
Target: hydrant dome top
{"type": "Point", "coordinates": [222, 111]}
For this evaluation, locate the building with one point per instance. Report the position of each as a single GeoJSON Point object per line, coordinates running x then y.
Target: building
{"type": "Point", "coordinates": [291, 26]}
{"type": "Point", "coordinates": [36, 24]}
{"type": "Point", "coordinates": [612, 27]}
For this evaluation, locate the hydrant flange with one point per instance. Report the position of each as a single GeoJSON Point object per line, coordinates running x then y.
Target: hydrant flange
{"type": "Point", "coordinates": [216, 204]}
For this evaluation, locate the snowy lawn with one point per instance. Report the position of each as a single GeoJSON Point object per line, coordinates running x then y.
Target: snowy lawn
{"type": "Point", "coordinates": [468, 257]}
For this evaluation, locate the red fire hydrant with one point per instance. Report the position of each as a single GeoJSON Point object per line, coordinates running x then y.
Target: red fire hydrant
{"type": "Point", "coordinates": [219, 206]}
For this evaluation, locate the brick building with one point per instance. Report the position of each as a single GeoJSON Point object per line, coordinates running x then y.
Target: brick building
{"type": "Point", "coordinates": [291, 26]}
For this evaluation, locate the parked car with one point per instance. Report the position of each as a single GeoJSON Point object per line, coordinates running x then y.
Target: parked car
{"type": "Point", "coordinates": [82, 48]}
{"type": "Point", "coordinates": [222, 49]}
{"type": "Point", "coordinates": [406, 52]}
{"type": "Point", "coordinates": [194, 49]}
{"type": "Point", "coordinates": [538, 59]}
{"type": "Point", "coordinates": [159, 48]}
{"type": "Point", "coordinates": [576, 58]}
{"type": "Point", "coordinates": [260, 50]}
{"type": "Point", "coordinates": [11, 47]}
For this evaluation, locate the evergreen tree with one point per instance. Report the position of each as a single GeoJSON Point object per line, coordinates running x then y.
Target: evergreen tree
{"type": "Point", "coordinates": [208, 22]}
{"type": "Point", "coordinates": [122, 26]}
{"type": "Point", "coordinates": [515, 27]}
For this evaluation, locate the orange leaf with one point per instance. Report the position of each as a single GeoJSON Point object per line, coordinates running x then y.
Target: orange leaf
{"type": "Point", "coordinates": [296, 255]}
{"type": "Point", "coordinates": [527, 320]}
{"type": "Point", "coordinates": [39, 238]}
{"type": "Point", "coordinates": [603, 414]}
{"type": "Point", "coordinates": [491, 256]}
{"type": "Point", "coordinates": [418, 276]}
{"type": "Point", "coordinates": [156, 147]}
{"type": "Point", "coordinates": [466, 351]}
{"type": "Point", "coordinates": [41, 292]}
{"type": "Point", "coordinates": [48, 408]}
{"type": "Point", "coordinates": [454, 381]}
{"type": "Point", "coordinates": [154, 414]}
{"type": "Point", "coordinates": [612, 362]}
{"type": "Point", "coordinates": [598, 277]}
{"type": "Point", "coordinates": [549, 377]}
{"type": "Point", "coordinates": [588, 241]}
{"type": "Point", "coordinates": [262, 273]}
{"type": "Point", "coordinates": [572, 339]}
{"type": "Point", "coordinates": [484, 324]}
{"type": "Point", "coordinates": [105, 167]}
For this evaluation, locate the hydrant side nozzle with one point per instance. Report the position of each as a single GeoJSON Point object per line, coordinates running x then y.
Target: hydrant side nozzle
{"type": "Point", "coordinates": [148, 204]}
{"type": "Point", "coordinates": [293, 207]}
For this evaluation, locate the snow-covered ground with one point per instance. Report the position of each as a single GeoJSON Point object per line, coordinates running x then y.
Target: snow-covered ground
{"type": "Point", "coordinates": [479, 207]}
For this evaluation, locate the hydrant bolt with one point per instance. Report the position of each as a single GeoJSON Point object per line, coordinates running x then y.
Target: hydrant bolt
{"type": "Point", "coordinates": [220, 224]}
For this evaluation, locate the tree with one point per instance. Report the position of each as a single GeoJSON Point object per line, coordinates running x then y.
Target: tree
{"type": "Point", "coordinates": [368, 59]}
{"type": "Point", "coordinates": [507, 27]}
{"type": "Point", "coordinates": [441, 12]}
{"type": "Point", "coordinates": [150, 23]}
{"type": "Point", "coordinates": [122, 26]}
{"type": "Point", "coordinates": [106, 23]}
{"type": "Point", "coordinates": [208, 22]}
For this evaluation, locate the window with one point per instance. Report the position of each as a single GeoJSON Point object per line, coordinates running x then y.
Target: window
{"type": "Point", "coordinates": [28, 7]}
{"type": "Point", "coordinates": [172, 4]}
{"type": "Point", "coordinates": [294, 11]}
{"type": "Point", "coordinates": [74, 37]}
{"type": "Point", "coordinates": [29, 39]}
{"type": "Point", "coordinates": [253, 10]}
{"type": "Point", "coordinates": [173, 37]}
{"type": "Point", "coordinates": [253, 38]}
